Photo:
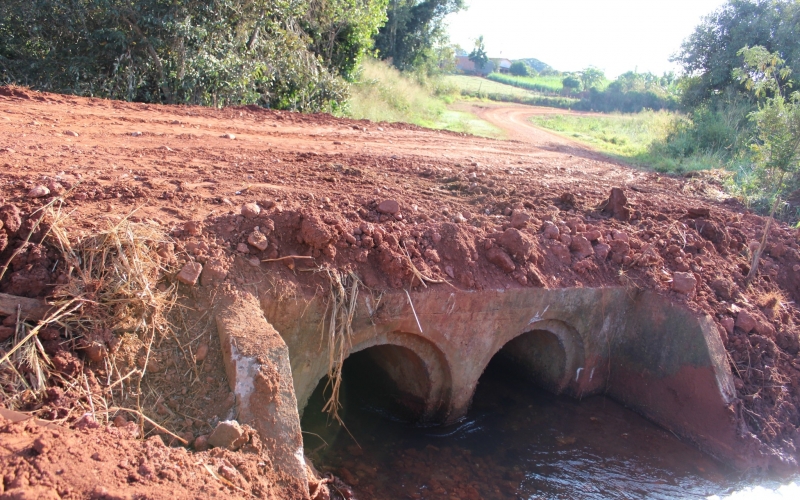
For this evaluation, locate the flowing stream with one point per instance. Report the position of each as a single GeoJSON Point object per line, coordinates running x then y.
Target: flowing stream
{"type": "Point", "coordinates": [517, 442]}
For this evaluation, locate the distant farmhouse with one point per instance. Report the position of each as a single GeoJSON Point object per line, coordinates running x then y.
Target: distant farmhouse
{"type": "Point", "coordinates": [502, 65]}
{"type": "Point", "coordinates": [464, 65]}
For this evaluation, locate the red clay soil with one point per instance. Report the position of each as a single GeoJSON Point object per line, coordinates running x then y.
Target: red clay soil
{"type": "Point", "coordinates": [238, 186]}
{"type": "Point", "coordinates": [48, 463]}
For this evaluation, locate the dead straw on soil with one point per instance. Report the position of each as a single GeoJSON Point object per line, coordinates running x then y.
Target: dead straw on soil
{"type": "Point", "coordinates": [344, 288]}
{"type": "Point", "coordinates": [113, 299]}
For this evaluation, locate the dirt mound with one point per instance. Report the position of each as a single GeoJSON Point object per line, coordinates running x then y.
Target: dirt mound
{"type": "Point", "coordinates": [106, 463]}
{"type": "Point", "coordinates": [399, 206]}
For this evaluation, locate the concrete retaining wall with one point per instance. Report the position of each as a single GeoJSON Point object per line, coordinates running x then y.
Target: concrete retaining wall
{"type": "Point", "coordinates": [657, 358]}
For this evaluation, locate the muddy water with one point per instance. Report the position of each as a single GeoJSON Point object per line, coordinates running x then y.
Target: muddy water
{"type": "Point", "coordinates": [517, 442]}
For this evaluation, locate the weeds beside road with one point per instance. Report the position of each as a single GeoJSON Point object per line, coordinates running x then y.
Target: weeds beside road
{"type": "Point", "coordinates": [639, 139]}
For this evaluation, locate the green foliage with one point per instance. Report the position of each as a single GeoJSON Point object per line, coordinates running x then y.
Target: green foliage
{"type": "Point", "coordinates": [634, 138]}
{"type": "Point", "coordinates": [776, 153]}
{"type": "Point", "coordinates": [592, 78]}
{"type": "Point", "coordinates": [412, 30]}
{"type": "Point", "coordinates": [762, 72]}
{"type": "Point", "coordinates": [382, 93]}
{"type": "Point", "coordinates": [571, 83]}
{"type": "Point", "coordinates": [342, 30]}
{"type": "Point", "coordinates": [776, 149]}
{"type": "Point", "coordinates": [478, 55]}
{"type": "Point", "coordinates": [480, 88]}
{"type": "Point", "coordinates": [519, 68]}
{"type": "Point", "coordinates": [475, 86]}
{"type": "Point", "coordinates": [711, 54]}
{"type": "Point", "coordinates": [721, 129]}
{"type": "Point", "coordinates": [188, 51]}
{"type": "Point", "coordinates": [632, 92]}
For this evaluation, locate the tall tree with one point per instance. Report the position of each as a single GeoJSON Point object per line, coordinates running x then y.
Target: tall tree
{"type": "Point", "coordinates": [711, 53]}
{"type": "Point", "coordinates": [412, 30]}
{"type": "Point", "coordinates": [777, 146]}
{"type": "Point", "coordinates": [478, 55]}
{"type": "Point", "coordinates": [592, 77]}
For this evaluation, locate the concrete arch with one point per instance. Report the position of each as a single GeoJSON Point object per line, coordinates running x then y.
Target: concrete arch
{"type": "Point", "coordinates": [551, 352]}
{"type": "Point", "coordinates": [438, 392]}
{"type": "Point", "coordinates": [415, 365]}
{"type": "Point", "coordinates": [530, 346]}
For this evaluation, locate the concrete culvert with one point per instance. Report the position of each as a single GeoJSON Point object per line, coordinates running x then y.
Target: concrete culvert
{"type": "Point", "coordinates": [391, 379]}
{"type": "Point", "coordinates": [395, 374]}
{"type": "Point", "coordinates": [550, 355]}
{"type": "Point", "coordinates": [538, 356]}
{"type": "Point", "coordinates": [403, 368]}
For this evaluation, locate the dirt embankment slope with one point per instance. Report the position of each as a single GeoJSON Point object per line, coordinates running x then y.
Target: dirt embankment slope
{"type": "Point", "coordinates": [248, 185]}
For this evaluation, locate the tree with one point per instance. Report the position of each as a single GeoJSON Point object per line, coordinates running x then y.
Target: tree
{"type": "Point", "coordinates": [711, 53]}
{"type": "Point", "coordinates": [592, 77]}
{"type": "Point", "coordinates": [571, 83]}
{"type": "Point", "coordinates": [519, 68]}
{"type": "Point", "coordinates": [777, 148]}
{"type": "Point", "coordinates": [762, 72]}
{"type": "Point", "coordinates": [342, 31]}
{"type": "Point", "coordinates": [412, 29]}
{"type": "Point", "coordinates": [478, 55]}
{"type": "Point", "coordinates": [188, 51]}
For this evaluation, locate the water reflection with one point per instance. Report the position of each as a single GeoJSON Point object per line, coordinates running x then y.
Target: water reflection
{"type": "Point", "coordinates": [518, 442]}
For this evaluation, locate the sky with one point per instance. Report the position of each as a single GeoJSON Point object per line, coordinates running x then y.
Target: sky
{"type": "Point", "coordinates": [569, 35]}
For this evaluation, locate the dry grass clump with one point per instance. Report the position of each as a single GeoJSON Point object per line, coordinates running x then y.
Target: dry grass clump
{"type": "Point", "coordinates": [771, 300]}
{"type": "Point", "coordinates": [339, 332]}
{"type": "Point", "coordinates": [113, 305]}
{"type": "Point", "coordinates": [115, 276]}
{"type": "Point", "coordinates": [24, 370]}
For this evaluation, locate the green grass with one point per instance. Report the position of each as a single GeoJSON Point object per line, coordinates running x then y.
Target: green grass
{"type": "Point", "coordinates": [474, 86]}
{"type": "Point", "coordinates": [548, 84]}
{"type": "Point", "coordinates": [383, 94]}
{"type": "Point", "coordinates": [637, 139]}
{"type": "Point", "coordinates": [481, 88]}
{"type": "Point", "coordinates": [460, 121]}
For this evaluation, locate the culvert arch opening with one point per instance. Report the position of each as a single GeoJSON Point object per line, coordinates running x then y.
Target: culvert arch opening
{"type": "Point", "coordinates": [549, 354]}
{"type": "Point", "coordinates": [539, 356]}
{"type": "Point", "coordinates": [392, 380]}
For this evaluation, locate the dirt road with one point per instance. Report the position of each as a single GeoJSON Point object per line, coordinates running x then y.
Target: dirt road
{"type": "Point", "coordinates": [514, 120]}
{"type": "Point", "coordinates": [168, 151]}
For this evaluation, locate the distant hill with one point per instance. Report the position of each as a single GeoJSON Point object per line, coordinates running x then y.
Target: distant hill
{"type": "Point", "coordinates": [536, 64]}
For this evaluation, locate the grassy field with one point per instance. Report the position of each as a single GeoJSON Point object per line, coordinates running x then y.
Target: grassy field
{"type": "Point", "coordinates": [473, 85]}
{"type": "Point", "coordinates": [481, 88]}
{"type": "Point", "coordinates": [383, 94]}
{"type": "Point", "coordinates": [635, 138]}
{"type": "Point", "coordinates": [548, 84]}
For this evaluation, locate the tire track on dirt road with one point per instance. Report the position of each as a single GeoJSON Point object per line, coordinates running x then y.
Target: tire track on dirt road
{"type": "Point", "coordinates": [514, 120]}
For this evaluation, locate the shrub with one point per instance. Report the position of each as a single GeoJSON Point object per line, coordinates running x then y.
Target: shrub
{"type": "Point", "coordinates": [519, 68]}
{"type": "Point", "coordinates": [571, 84]}
{"type": "Point", "coordinates": [181, 52]}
